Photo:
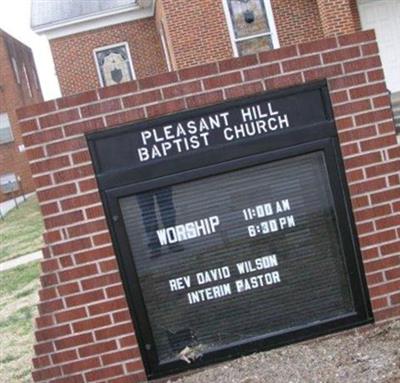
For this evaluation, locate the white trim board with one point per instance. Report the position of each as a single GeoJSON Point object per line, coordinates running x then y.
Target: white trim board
{"type": "Point", "coordinates": [94, 21]}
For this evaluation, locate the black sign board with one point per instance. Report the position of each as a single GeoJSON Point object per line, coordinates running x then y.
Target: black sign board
{"type": "Point", "coordinates": [233, 227]}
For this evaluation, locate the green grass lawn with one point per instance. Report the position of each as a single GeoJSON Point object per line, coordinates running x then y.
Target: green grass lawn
{"type": "Point", "coordinates": [21, 230]}
{"type": "Point", "coordinates": [18, 299]}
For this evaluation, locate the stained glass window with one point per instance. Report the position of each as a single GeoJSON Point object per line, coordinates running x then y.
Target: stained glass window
{"type": "Point", "coordinates": [252, 28]}
{"type": "Point", "coordinates": [114, 64]}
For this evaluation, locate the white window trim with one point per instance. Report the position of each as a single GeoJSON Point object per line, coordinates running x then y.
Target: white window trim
{"type": "Point", "coordinates": [124, 43]}
{"type": "Point", "coordinates": [10, 128]}
{"type": "Point", "coordinates": [28, 84]}
{"type": "Point", "coordinates": [165, 48]}
{"type": "Point", "coordinates": [35, 78]}
{"type": "Point", "coordinates": [271, 22]}
{"type": "Point", "coordinates": [15, 67]}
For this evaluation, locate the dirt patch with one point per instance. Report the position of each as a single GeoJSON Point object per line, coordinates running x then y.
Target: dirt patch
{"type": "Point", "coordinates": [370, 354]}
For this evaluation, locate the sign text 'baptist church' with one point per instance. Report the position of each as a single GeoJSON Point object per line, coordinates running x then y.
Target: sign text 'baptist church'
{"type": "Point", "coordinates": [195, 134]}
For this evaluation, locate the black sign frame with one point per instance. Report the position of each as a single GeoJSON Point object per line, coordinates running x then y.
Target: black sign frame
{"type": "Point", "coordinates": [320, 137]}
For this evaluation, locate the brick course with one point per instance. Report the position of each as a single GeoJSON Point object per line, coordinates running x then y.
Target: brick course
{"type": "Point", "coordinates": [297, 21]}
{"type": "Point", "coordinates": [191, 40]}
{"type": "Point", "coordinates": [338, 16]}
{"type": "Point", "coordinates": [84, 333]}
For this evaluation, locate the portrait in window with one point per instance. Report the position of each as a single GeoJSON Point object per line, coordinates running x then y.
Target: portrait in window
{"type": "Point", "coordinates": [114, 64]}
{"type": "Point", "coordinates": [251, 25]}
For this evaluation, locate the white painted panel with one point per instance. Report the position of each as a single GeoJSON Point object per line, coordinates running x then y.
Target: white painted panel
{"type": "Point", "coordinates": [384, 17]}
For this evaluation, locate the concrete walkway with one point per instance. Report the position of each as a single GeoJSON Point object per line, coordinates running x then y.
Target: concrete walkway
{"type": "Point", "coordinates": [7, 265]}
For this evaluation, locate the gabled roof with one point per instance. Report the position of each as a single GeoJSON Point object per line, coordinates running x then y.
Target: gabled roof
{"type": "Point", "coordinates": [58, 16]}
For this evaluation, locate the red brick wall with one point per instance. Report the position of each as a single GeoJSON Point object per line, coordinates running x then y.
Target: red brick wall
{"type": "Point", "coordinates": [338, 16]}
{"type": "Point", "coordinates": [12, 96]}
{"type": "Point", "coordinates": [84, 331]}
{"type": "Point", "coordinates": [197, 31]}
{"type": "Point", "coordinates": [355, 14]}
{"type": "Point", "coordinates": [296, 21]}
{"type": "Point", "coordinates": [162, 28]}
{"type": "Point", "coordinates": [74, 61]}
{"type": "Point", "coordinates": [194, 41]}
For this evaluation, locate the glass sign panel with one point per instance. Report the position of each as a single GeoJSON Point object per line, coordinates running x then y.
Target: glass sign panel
{"type": "Point", "coordinates": [239, 255]}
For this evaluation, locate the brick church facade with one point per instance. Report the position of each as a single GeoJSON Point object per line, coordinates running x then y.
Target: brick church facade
{"type": "Point", "coordinates": [146, 60]}
{"type": "Point", "coordinates": [19, 86]}
{"type": "Point", "coordinates": [173, 35]}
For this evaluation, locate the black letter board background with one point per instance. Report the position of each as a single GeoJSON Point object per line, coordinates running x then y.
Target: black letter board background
{"type": "Point", "coordinates": [235, 250]}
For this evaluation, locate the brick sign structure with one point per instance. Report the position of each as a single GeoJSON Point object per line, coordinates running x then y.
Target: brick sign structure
{"type": "Point", "coordinates": [84, 329]}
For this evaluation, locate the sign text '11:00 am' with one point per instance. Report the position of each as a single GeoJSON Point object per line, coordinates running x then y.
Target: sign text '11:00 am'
{"type": "Point", "coordinates": [241, 282]}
